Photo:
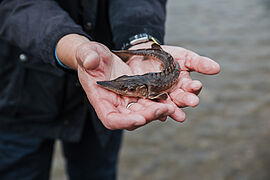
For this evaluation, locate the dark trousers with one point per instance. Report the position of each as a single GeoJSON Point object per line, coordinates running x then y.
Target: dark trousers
{"type": "Point", "coordinates": [28, 158]}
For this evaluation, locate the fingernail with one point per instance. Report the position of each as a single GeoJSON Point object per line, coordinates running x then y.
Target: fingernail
{"type": "Point", "coordinates": [140, 121]}
{"type": "Point", "coordinates": [158, 113]}
{"type": "Point", "coordinates": [179, 116]}
{"type": "Point", "coordinates": [216, 66]}
{"type": "Point", "coordinates": [196, 85]}
{"type": "Point", "coordinates": [192, 100]}
{"type": "Point", "coordinates": [91, 61]}
{"type": "Point", "coordinates": [187, 63]}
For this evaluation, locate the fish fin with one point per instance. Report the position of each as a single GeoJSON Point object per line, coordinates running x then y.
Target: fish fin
{"type": "Point", "coordinates": [162, 96]}
{"type": "Point", "coordinates": [156, 46]}
{"type": "Point", "coordinates": [162, 67]}
{"type": "Point", "coordinates": [121, 78]}
{"type": "Point", "coordinates": [146, 58]}
{"type": "Point", "coordinates": [123, 55]}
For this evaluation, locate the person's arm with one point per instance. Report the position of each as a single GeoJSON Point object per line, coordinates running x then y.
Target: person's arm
{"type": "Point", "coordinates": [95, 62]}
{"type": "Point", "coordinates": [36, 26]}
{"type": "Point", "coordinates": [128, 18]}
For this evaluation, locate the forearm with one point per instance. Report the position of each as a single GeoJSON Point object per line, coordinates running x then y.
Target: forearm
{"type": "Point", "coordinates": [35, 26]}
{"type": "Point", "coordinates": [140, 16]}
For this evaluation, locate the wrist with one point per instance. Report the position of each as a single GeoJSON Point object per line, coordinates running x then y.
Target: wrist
{"type": "Point", "coordinates": [67, 47]}
{"type": "Point", "coordinates": [144, 45]}
{"type": "Point", "coordinates": [139, 39]}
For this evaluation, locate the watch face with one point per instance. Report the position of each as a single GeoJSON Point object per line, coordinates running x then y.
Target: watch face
{"type": "Point", "coordinates": [137, 39]}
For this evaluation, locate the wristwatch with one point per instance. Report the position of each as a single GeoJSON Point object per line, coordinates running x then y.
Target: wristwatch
{"type": "Point", "coordinates": [138, 39]}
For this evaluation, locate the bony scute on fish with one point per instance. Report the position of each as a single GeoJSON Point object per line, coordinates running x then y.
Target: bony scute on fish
{"type": "Point", "coordinates": [152, 85]}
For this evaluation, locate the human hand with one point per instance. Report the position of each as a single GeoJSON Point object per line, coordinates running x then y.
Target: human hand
{"type": "Point", "coordinates": [97, 63]}
{"type": "Point", "coordinates": [186, 90]}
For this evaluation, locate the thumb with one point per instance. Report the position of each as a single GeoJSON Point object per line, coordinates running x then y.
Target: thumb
{"type": "Point", "coordinates": [91, 61]}
{"type": "Point", "coordinates": [87, 57]}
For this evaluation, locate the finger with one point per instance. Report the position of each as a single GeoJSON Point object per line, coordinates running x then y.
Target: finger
{"type": "Point", "coordinates": [137, 107]}
{"type": "Point", "coordinates": [163, 119]}
{"type": "Point", "coordinates": [191, 86]}
{"type": "Point", "coordinates": [153, 110]}
{"type": "Point", "coordinates": [184, 99]}
{"type": "Point", "coordinates": [107, 108]}
{"type": "Point", "coordinates": [193, 61]}
{"type": "Point", "coordinates": [201, 64]}
{"type": "Point", "coordinates": [178, 114]}
{"type": "Point", "coordinates": [187, 84]}
{"type": "Point", "coordinates": [141, 113]}
{"type": "Point", "coordinates": [89, 54]}
{"type": "Point", "coordinates": [113, 119]}
{"type": "Point", "coordinates": [138, 118]}
{"type": "Point", "coordinates": [91, 61]}
{"type": "Point", "coordinates": [125, 121]}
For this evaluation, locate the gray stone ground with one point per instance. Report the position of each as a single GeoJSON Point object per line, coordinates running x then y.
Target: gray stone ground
{"type": "Point", "coordinates": [227, 136]}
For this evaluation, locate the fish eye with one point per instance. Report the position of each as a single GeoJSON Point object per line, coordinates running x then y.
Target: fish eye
{"type": "Point", "coordinates": [131, 88]}
{"type": "Point", "coordinates": [122, 86]}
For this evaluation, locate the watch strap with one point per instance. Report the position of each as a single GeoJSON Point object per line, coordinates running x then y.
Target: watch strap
{"type": "Point", "coordinates": [138, 39]}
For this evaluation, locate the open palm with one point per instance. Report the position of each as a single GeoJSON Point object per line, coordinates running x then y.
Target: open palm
{"type": "Point", "coordinates": [97, 63]}
{"type": "Point", "coordinates": [186, 90]}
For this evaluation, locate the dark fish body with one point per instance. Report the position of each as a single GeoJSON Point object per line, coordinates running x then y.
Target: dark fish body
{"type": "Point", "coordinates": [153, 85]}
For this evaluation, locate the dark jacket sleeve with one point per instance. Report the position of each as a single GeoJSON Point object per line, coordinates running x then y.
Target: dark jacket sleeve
{"type": "Point", "coordinates": [35, 26]}
{"type": "Point", "coordinates": [131, 17]}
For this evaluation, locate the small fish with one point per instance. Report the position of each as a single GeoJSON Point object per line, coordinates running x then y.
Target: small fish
{"type": "Point", "coordinates": [153, 85]}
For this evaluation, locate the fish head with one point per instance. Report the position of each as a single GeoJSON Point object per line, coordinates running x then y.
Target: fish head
{"type": "Point", "coordinates": [131, 86]}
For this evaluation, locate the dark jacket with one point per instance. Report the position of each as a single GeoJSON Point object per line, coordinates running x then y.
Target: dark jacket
{"type": "Point", "coordinates": [36, 96]}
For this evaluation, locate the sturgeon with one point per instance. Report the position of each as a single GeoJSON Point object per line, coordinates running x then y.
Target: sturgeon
{"type": "Point", "coordinates": [152, 85]}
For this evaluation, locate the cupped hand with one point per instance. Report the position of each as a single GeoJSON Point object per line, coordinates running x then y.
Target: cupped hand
{"type": "Point", "coordinates": [97, 63]}
{"type": "Point", "coordinates": [186, 90]}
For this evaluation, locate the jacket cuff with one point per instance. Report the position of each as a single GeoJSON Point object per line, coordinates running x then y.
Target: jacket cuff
{"type": "Point", "coordinates": [121, 38]}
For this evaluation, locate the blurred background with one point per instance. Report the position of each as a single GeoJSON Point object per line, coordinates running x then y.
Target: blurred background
{"type": "Point", "coordinates": [227, 137]}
